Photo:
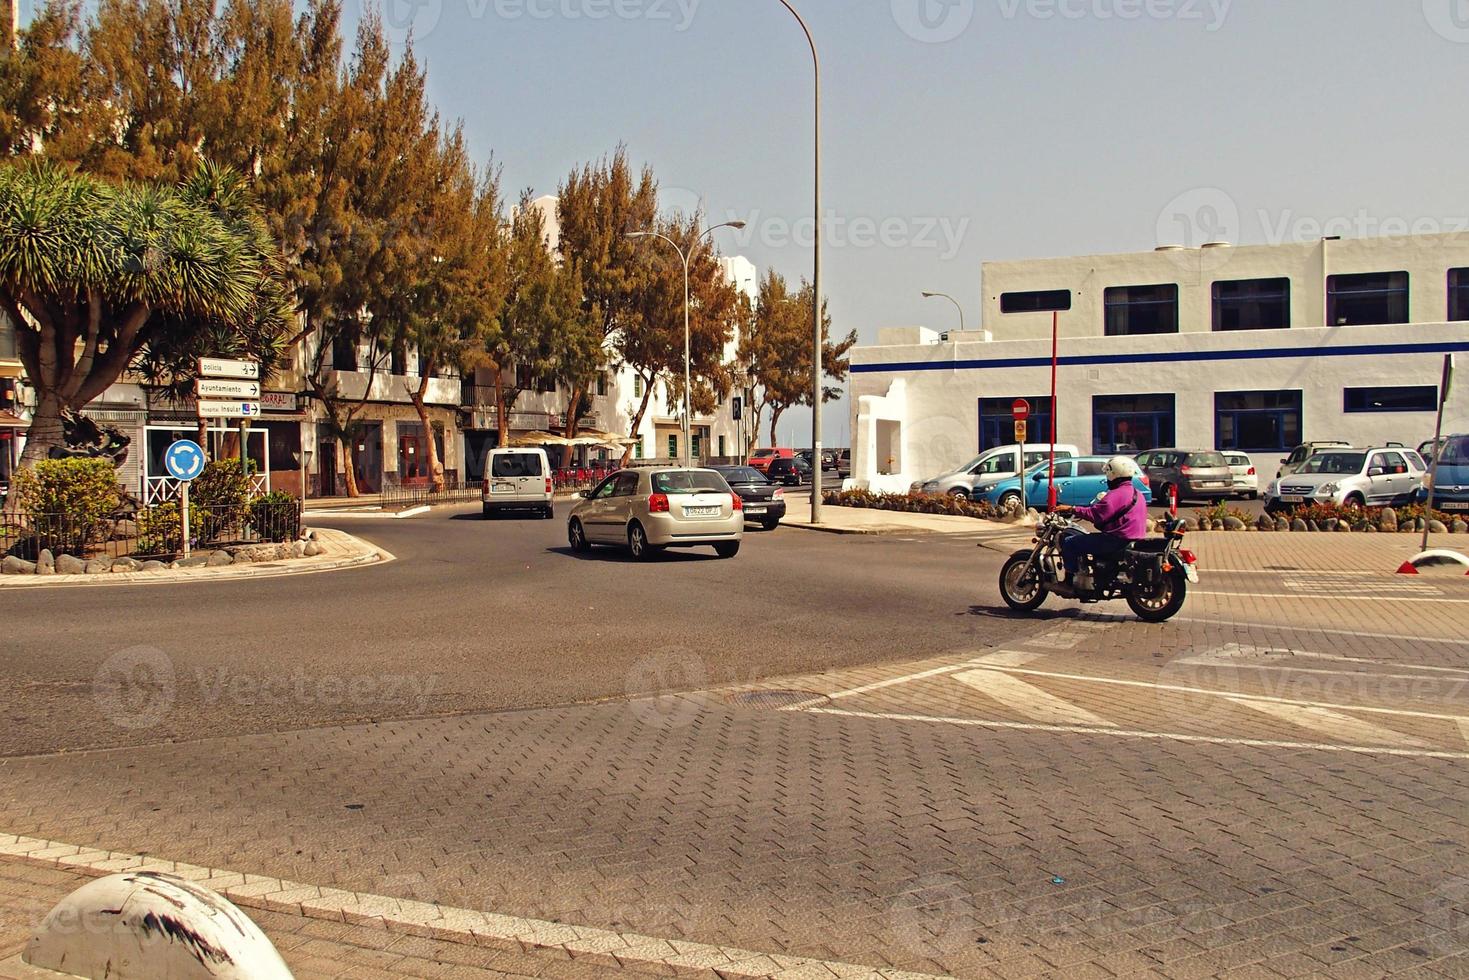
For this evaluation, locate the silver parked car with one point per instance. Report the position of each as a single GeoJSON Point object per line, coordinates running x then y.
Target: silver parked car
{"type": "Point", "coordinates": [1350, 477]}
{"type": "Point", "coordinates": [648, 510]}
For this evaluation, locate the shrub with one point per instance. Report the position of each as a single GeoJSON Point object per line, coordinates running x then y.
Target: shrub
{"type": "Point", "coordinates": [70, 501]}
{"type": "Point", "coordinates": [1222, 509]}
{"type": "Point", "coordinates": [222, 494]}
{"type": "Point", "coordinates": [276, 516]}
{"type": "Point", "coordinates": [158, 529]}
{"type": "Point", "coordinates": [913, 503]}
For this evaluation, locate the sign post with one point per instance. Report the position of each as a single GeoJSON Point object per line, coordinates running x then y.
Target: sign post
{"type": "Point", "coordinates": [184, 461]}
{"type": "Point", "coordinates": [1443, 398]}
{"type": "Point", "coordinates": [242, 381]}
{"type": "Point", "coordinates": [1020, 411]}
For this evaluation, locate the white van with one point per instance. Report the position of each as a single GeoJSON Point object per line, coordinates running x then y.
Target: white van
{"type": "Point", "coordinates": [977, 476]}
{"type": "Point", "coordinates": [517, 479]}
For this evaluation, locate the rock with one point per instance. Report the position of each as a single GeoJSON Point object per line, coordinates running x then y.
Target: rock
{"type": "Point", "coordinates": [219, 559]}
{"type": "Point", "coordinates": [151, 566]}
{"type": "Point", "coordinates": [298, 549]}
{"type": "Point", "coordinates": [1233, 524]}
{"type": "Point", "coordinates": [45, 562]}
{"type": "Point", "coordinates": [1312, 526]}
{"type": "Point", "coordinates": [1437, 527]}
{"type": "Point", "coordinates": [1389, 516]}
{"type": "Point", "coordinates": [193, 561]}
{"type": "Point", "coordinates": [1189, 524]}
{"type": "Point", "coordinates": [1420, 524]}
{"type": "Point", "coordinates": [1370, 528]}
{"type": "Point", "coordinates": [312, 550]}
{"type": "Point", "coordinates": [1299, 525]}
{"type": "Point", "coordinates": [16, 566]}
{"type": "Point", "coordinates": [1343, 526]}
{"type": "Point", "coordinates": [69, 565]}
{"type": "Point", "coordinates": [125, 565]}
{"type": "Point", "coordinates": [1265, 522]}
{"type": "Point", "coordinates": [1460, 527]}
{"type": "Point", "coordinates": [1387, 527]}
{"type": "Point", "coordinates": [99, 565]}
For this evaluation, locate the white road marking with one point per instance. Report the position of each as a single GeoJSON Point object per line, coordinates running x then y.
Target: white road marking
{"type": "Point", "coordinates": [1131, 733]}
{"type": "Point", "coordinates": [464, 926]}
{"type": "Point", "coordinates": [1335, 595]}
{"type": "Point", "coordinates": [1029, 700]}
{"type": "Point", "coordinates": [1247, 657]}
{"type": "Point", "coordinates": [1328, 631]}
{"type": "Point", "coordinates": [1002, 658]}
{"type": "Point", "coordinates": [1332, 723]}
{"type": "Point", "coordinates": [1464, 729]}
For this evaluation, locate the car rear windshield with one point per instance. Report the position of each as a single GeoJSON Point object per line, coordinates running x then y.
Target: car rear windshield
{"type": "Point", "coordinates": [1206, 459]}
{"type": "Point", "coordinates": [1455, 452]}
{"type": "Point", "coordinates": [743, 474]}
{"type": "Point", "coordinates": [762, 453]}
{"type": "Point", "coordinates": [690, 481]}
{"type": "Point", "coordinates": [1335, 463]}
{"type": "Point", "coordinates": [516, 464]}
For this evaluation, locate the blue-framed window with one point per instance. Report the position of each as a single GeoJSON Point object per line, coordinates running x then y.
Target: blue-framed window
{"type": "Point", "coordinates": [1252, 304]}
{"type": "Point", "coordinates": [1405, 398]}
{"type": "Point", "coordinates": [1133, 310]}
{"type": "Point", "coordinates": [1366, 298]}
{"type": "Point", "coordinates": [1459, 294]}
{"type": "Point", "coordinates": [1132, 423]}
{"type": "Point", "coordinates": [1257, 421]}
{"type": "Point", "coordinates": [1036, 301]}
{"type": "Point", "coordinates": [997, 423]}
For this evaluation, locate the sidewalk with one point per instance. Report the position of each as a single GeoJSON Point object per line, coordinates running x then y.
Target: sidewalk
{"type": "Point", "coordinates": [855, 520]}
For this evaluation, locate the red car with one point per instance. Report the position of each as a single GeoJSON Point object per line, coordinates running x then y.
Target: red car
{"type": "Point", "coordinates": [762, 458]}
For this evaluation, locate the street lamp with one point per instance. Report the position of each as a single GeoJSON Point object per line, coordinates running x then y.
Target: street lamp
{"type": "Point", "coordinates": [816, 386]}
{"type": "Point", "coordinates": [951, 300]}
{"type": "Point", "coordinates": [684, 258]}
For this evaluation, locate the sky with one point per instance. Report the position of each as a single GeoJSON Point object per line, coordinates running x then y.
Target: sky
{"type": "Point", "coordinates": [963, 131]}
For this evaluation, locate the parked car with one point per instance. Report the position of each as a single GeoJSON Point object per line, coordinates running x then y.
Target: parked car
{"type": "Point", "coordinates": [1349, 477]}
{"type": "Point", "coordinates": [828, 459]}
{"type": "Point", "coordinates": [648, 510]}
{"type": "Point", "coordinates": [1078, 482]}
{"type": "Point", "coordinates": [793, 472]}
{"type": "Point", "coordinates": [517, 479]}
{"type": "Point", "coordinates": [765, 500]}
{"type": "Point", "coordinates": [977, 477]}
{"type": "Point", "coordinates": [1451, 482]}
{"type": "Point", "coordinates": [1246, 480]}
{"type": "Point", "coordinates": [1196, 474]}
{"type": "Point", "coordinates": [844, 462]}
{"type": "Point", "coordinates": [1305, 451]}
{"type": "Point", "coordinates": [761, 458]}
{"type": "Point", "coordinates": [1427, 449]}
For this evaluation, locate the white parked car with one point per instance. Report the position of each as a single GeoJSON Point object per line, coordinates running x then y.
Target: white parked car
{"type": "Point", "coordinates": [648, 510]}
{"type": "Point", "coordinates": [1246, 480]}
{"type": "Point", "coordinates": [517, 479]}
{"type": "Point", "coordinates": [980, 475]}
{"type": "Point", "coordinates": [1350, 477]}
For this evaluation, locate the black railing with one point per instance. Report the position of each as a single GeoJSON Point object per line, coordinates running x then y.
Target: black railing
{"type": "Point", "coordinates": [399, 497]}
{"type": "Point", "coordinates": [149, 532]}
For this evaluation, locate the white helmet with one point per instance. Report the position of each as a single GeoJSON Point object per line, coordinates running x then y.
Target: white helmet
{"type": "Point", "coordinates": [1120, 468]}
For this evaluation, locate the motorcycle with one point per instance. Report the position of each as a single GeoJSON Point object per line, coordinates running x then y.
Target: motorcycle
{"type": "Point", "coordinates": [1153, 575]}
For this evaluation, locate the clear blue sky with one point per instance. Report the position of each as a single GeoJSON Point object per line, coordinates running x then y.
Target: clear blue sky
{"type": "Point", "coordinates": [975, 130]}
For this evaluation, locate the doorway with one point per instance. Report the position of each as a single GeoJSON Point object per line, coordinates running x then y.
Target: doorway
{"type": "Point", "coordinates": [326, 468]}
{"type": "Point", "coordinates": [367, 462]}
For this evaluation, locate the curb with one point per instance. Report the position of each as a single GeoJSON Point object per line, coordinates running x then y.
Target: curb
{"type": "Point", "coordinates": [361, 554]}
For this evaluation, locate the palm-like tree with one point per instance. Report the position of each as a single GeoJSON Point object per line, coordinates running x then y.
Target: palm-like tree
{"type": "Point", "coordinates": [98, 276]}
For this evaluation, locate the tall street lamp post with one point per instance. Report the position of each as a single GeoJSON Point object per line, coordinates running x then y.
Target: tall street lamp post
{"type": "Point", "coordinates": [683, 257]}
{"type": "Point", "coordinates": [816, 386]}
{"type": "Point", "coordinates": [951, 300]}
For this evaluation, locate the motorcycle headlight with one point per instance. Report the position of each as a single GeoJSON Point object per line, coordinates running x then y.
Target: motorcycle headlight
{"type": "Point", "coordinates": [1328, 488]}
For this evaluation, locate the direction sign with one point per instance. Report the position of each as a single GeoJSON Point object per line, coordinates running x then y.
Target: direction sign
{"type": "Point", "coordinates": [1020, 409]}
{"type": "Point", "coordinates": [1020, 431]}
{"type": "Point", "coordinates": [210, 388]}
{"type": "Point", "coordinates": [184, 460]}
{"type": "Point", "coordinates": [215, 367]}
{"type": "Point", "coordinates": [228, 410]}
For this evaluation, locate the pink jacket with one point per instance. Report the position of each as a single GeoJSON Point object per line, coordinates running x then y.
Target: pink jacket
{"type": "Point", "coordinates": [1123, 512]}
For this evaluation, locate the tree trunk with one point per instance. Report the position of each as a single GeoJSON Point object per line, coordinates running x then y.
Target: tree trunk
{"type": "Point", "coordinates": [572, 417]}
{"type": "Point", "coordinates": [431, 448]}
{"type": "Point", "coordinates": [45, 431]}
{"type": "Point", "coordinates": [637, 419]}
{"type": "Point", "coordinates": [775, 414]}
{"type": "Point", "coordinates": [502, 416]}
{"type": "Point", "coordinates": [349, 460]}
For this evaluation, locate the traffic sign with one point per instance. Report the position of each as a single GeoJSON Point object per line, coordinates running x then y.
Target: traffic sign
{"type": "Point", "coordinates": [216, 367]}
{"type": "Point", "coordinates": [210, 388]}
{"type": "Point", "coordinates": [1020, 409]}
{"type": "Point", "coordinates": [209, 409]}
{"type": "Point", "coordinates": [184, 460]}
{"type": "Point", "coordinates": [1020, 430]}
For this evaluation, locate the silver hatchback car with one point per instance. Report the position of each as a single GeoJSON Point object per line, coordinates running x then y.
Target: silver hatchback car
{"type": "Point", "coordinates": [648, 510]}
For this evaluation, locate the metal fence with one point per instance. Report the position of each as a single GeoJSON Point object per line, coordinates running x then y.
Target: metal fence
{"type": "Point", "coordinates": [150, 532]}
{"type": "Point", "coordinates": [402, 497]}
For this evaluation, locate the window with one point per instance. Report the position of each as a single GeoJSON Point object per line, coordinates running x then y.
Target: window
{"type": "Point", "coordinates": [1089, 467]}
{"type": "Point", "coordinates": [722, 453]}
{"type": "Point", "coordinates": [1257, 421]}
{"type": "Point", "coordinates": [1036, 301]}
{"type": "Point", "coordinates": [627, 485]}
{"type": "Point", "coordinates": [602, 383]}
{"type": "Point", "coordinates": [1415, 398]}
{"type": "Point", "coordinates": [690, 481]}
{"type": "Point", "coordinates": [1252, 304]}
{"type": "Point", "coordinates": [398, 361]}
{"type": "Point", "coordinates": [344, 351]}
{"type": "Point", "coordinates": [697, 441]}
{"type": "Point", "coordinates": [637, 386]}
{"type": "Point", "coordinates": [637, 451]}
{"type": "Point", "coordinates": [1368, 298]}
{"type": "Point", "coordinates": [997, 424]}
{"type": "Point", "coordinates": [673, 447]}
{"type": "Point", "coordinates": [1127, 423]}
{"type": "Point", "coordinates": [1459, 294]}
{"type": "Point", "coordinates": [516, 464]}
{"type": "Point", "coordinates": [1133, 310]}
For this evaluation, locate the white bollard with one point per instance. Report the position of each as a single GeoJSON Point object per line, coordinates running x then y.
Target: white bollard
{"type": "Point", "coordinates": [154, 925]}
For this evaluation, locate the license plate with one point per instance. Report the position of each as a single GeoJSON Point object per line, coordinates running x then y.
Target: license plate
{"type": "Point", "coordinates": [502, 488]}
{"type": "Point", "coordinates": [1209, 486]}
{"type": "Point", "coordinates": [701, 511]}
{"type": "Point", "coordinates": [1292, 498]}
{"type": "Point", "coordinates": [1455, 505]}
{"type": "Point", "coordinates": [754, 510]}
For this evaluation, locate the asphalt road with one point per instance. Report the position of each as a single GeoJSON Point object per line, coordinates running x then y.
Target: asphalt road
{"type": "Point", "coordinates": [475, 614]}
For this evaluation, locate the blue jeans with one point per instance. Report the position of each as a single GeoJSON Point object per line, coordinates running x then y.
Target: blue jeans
{"type": "Point", "coordinates": [1075, 544]}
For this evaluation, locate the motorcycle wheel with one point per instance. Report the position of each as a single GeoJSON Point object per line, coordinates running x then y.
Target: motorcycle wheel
{"type": "Point", "coordinates": [1160, 600]}
{"type": "Point", "coordinates": [1020, 586]}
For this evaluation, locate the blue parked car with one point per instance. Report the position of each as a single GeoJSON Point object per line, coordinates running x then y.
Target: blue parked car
{"type": "Point", "coordinates": [1451, 484]}
{"type": "Point", "coordinates": [1078, 482]}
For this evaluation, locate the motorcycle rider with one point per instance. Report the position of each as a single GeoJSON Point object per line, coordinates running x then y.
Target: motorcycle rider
{"type": "Point", "coordinates": [1121, 517]}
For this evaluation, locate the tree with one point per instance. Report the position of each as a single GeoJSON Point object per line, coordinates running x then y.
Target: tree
{"type": "Point", "coordinates": [92, 273]}
{"type": "Point", "coordinates": [776, 352]}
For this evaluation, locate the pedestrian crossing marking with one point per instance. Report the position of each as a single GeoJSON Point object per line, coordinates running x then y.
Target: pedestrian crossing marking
{"type": "Point", "coordinates": [1029, 700]}
{"type": "Point", "coordinates": [1333, 723]}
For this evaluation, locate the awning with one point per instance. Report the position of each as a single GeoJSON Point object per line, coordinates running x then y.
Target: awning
{"type": "Point", "coordinates": [9, 420]}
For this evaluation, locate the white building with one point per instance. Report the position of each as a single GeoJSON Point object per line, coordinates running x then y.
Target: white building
{"type": "Point", "coordinates": [1254, 348]}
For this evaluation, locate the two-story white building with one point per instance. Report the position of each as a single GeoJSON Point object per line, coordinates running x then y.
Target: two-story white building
{"type": "Point", "coordinates": [1255, 348]}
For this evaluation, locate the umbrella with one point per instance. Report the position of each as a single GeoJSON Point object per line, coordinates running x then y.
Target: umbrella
{"type": "Point", "coordinates": [538, 438]}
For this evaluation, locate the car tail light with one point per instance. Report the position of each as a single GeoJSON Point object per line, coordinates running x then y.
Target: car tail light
{"type": "Point", "coordinates": [779, 492]}
{"type": "Point", "coordinates": [658, 503]}
{"type": "Point", "coordinates": [1146, 481]}
{"type": "Point", "coordinates": [1185, 470]}
{"type": "Point", "coordinates": [1251, 471]}
{"type": "Point", "coordinates": [548, 484]}
{"type": "Point", "coordinates": [1189, 558]}
{"type": "Point", "coordinates": [736, 502]}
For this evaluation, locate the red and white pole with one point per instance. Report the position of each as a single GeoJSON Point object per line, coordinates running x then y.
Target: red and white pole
{"type": "Point", "coordinates": [1051, 475]}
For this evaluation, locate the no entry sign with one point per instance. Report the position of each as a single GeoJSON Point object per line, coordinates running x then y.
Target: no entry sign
{"type": "Point", "coordinates": [1020, 409]}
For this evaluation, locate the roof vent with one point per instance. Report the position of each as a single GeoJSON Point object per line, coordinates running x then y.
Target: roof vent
{"type": "Point", "coordinates": [1169, 248]}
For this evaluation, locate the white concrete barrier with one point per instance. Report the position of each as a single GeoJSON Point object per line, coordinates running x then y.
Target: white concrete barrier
{"type": "Point", "coordinates": [153, 925]}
